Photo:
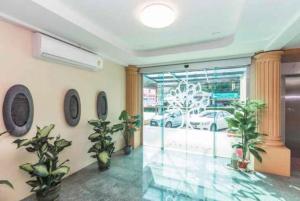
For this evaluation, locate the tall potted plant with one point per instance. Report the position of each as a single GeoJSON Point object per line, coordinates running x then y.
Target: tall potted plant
{"type": "Point", "coordinates": [47, 173]}
{"type": "Point", "coordinates": [129, 125]}
{"type": "Point", "coordinates": [103, 146]}
{"type": "Point", "coordinates": [244, 123]}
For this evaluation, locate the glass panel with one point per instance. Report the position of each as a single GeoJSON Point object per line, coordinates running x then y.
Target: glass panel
{"type": "Point", "coordinates": [153, 116]}
{"type": "Point", "coordinates": [175, 97]}
{"type": "Point", "coordinates": [229, 86]}
{"type": "Point", "coordinates": [199, 119]}
{"type": "Point", "coordinates": [184, 113]}
{"type": "Point", "coordinates": [187, 111]}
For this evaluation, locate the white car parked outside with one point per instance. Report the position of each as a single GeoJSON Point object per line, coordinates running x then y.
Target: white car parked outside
{"type": "Point", "coordinates": [212, 120]}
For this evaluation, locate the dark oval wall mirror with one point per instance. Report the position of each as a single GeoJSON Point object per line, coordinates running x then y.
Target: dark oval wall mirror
{"type": "Point", "coordinates": [102, 106]}
{"type": "Point", "coordinates": [72, 107]}
{"type": "Point", "coordinates": [18, 110]}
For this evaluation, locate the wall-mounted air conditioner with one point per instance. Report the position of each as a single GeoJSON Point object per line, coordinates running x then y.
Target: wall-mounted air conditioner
{"type": "Point", "coordinates": [48, 48]}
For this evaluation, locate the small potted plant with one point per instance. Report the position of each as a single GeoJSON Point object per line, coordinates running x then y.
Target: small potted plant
{"type": "Point", "coordinates": [129, 125]}
{"type": "Point", "coordinates": [244, 123]}
{"type": "Point", "coordinates": [103, 146]}
{"type": "Point", "coordinates": [47, 173]}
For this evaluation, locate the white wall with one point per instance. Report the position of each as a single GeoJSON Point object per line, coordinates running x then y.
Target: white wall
{"type": "Point", "coordinates": [48, 83]}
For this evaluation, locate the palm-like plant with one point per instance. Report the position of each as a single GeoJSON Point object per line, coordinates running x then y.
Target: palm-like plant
{"type": "Point", "coordinates": [7, 183]}
{"type": "Point", "coordinates": [103, 146]}
{"type": "Point", "coordinates": [47, 172]}
{"type": "Point", "coordinates": [129, 125]}
{"type": "Point", "coordinates": [244, 123]}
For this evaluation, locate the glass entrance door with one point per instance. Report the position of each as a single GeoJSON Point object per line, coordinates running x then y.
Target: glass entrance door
{"type": "Point", "coordinates": [187, 110]}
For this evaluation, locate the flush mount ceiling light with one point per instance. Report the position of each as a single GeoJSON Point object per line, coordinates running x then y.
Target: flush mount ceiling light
{"type": "Point", "coordinates": [157, 16]}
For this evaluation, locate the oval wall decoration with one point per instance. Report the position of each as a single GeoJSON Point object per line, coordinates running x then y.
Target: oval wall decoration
{"type": "Point", "coordinates": [18, 110]}
{"type": "Point", "coordinates": [72, 107]}
{"type": "Point", "coordinates": [102, 108]}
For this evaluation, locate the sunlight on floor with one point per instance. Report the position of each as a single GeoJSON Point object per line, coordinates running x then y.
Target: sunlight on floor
{"type": "Point", "coordinates": [174, 175]}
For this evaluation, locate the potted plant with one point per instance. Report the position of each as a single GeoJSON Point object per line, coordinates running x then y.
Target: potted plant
{"type": "Point", "coordinates": [47, 173]}
{"type": "Point", "coordinates": [103, 146]}
{"type": "Point", "coordinates": [129, 125]}
{"type": "Point", "coordinates": [7, 183]}
{"type": "Point", "coordinates": [244, 123]}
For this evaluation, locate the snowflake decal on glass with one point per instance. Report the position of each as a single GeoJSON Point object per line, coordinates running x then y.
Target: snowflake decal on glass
{"type": "Point", "coordinates": [187, 98]}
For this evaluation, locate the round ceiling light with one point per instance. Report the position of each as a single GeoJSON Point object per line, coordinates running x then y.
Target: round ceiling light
{"type": "Point", "coordinates": [157, 16]}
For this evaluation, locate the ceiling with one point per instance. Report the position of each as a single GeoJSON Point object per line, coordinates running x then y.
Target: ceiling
{"type": "Point", "coordinates": [203, 30]}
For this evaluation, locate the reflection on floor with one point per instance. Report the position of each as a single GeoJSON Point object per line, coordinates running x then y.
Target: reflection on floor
{"type": "Point", "coordinates": [154, 175]}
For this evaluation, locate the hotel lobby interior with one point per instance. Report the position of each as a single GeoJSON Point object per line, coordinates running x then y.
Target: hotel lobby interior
{"type": "Point", "coordinates": [150, 100]}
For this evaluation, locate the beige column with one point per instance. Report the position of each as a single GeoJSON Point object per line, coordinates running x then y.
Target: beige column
{"type": "Point", "coordinates": [267, 81]}
{"type": "Point", "coordinates": [133, 98]}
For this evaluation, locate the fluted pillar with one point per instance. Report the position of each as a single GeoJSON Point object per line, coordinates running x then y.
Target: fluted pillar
{"type": "Point", "coordinates": [267, 81]}
{"type": "Point", "coordinates": [268, 87]}
{"type": "Point", "coordinates": [133, 97]}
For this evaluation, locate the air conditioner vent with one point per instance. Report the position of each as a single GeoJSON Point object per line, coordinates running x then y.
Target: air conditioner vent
{"type": "Point", "coordinates": [51, 49]}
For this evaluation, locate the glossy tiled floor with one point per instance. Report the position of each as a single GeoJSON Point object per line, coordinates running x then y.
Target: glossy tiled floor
{"type": "Point", "coordinates": [153, 175]}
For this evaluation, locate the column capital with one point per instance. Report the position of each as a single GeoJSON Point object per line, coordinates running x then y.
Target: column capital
{"type": "Point", "coordinates": [272, 55]}
{"type": "Point", "coordinates": [132, 69]}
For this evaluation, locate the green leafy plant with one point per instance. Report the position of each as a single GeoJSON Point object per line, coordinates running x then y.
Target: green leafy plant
{"type": "Point", "coordinates": [129, 125]}
{"type": "Point", "coordinates": [103, 146]}
{"type": "Point", "coordinates": [244, 123]}
{"type": "Point", "coordinates": [47, 173]}
{"type": "Point", "coordinates": [7, 183]}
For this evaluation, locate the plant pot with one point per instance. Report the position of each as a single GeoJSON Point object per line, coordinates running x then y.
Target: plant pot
{"type": "Point", "coordinates": [243, 164]}
{"type": "Point", "coordinates": [51, 195]}
{"type": "Point", "coordinates": [127, 150]}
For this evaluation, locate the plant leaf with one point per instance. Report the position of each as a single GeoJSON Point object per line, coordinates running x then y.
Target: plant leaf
{"type": "Point", "coordinates": [7, 183]}
{"type": "Point", "coordinates": [103, 157]}
{"type": "Point", "coordinates": [22, 142]}
{"type": "Point", "coordinates": [237, 146]}
{"type": "Point", "coordinates": [3, 134]}
{"type": "Point", "coordinates": [117, 127]}
{"type": "Point", "coordinates": [61, 144]}
{"type": "Point", "coordinates": [40, 170]}
{"type": "Point", "coordinates": [124, 115]}
{"type": "Point", "coordinates": [33, 183]}
{"type": "Point", "coordinates": [63, 170]}
{"type": "Point", "coordinates": [44, 132]}
{"type": "Point", "coordinates": [255, 154]}
{"type": "Point", "coordinates": [27, 167]}
{"type": "Point", "coordinates": [95, 123]}
{"type": "Point", "coordinates": [93, 136]}
{"type": "Point", "coordinates": [30, 149]}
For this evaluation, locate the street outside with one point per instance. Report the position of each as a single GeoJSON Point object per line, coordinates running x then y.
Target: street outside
{"type": "Point", "coordinates": [191, 140]}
